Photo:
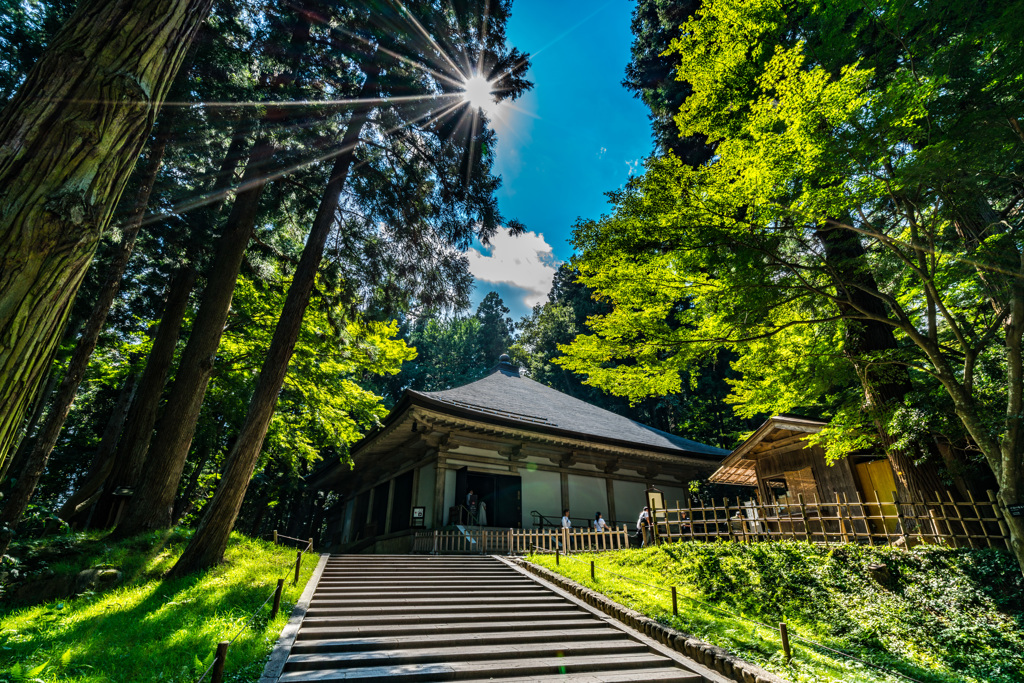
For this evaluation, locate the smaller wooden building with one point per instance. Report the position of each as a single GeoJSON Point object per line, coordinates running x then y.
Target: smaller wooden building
{"type": "Point", "coordinates": [779, 463]}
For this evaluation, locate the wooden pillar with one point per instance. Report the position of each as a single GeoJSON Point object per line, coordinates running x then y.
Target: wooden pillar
{"type": "Point", "coordinates": [414, 499]}
{"type": "Point", "coordinates": [610, 486]}
{"type": "Point", "coordinates": [391, 505]}
{"type": "Point", "coordinates": [369, 505]}
{"type": "Point", "coordinates": [565, 492]}
{"type": "Point", "coordinates": [439, 493]}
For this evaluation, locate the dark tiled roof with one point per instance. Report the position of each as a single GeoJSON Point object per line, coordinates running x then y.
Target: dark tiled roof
{"type": "Point", "coordinates": [513, 399]}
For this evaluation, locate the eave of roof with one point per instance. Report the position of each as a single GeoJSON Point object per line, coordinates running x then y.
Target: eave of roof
{"type": "Point", "coordinates": [738, 469]}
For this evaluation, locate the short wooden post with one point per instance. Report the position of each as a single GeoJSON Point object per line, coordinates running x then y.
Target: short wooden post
{"type": "Point", "coordinates": [298, 565]}
{"type": "Point", "coordinates": [309, 548]}
{"type": "Point", "coordinates": [218, 662]}
{"type": "Point", "coordinates": [593, 576]}
{"type": "Point", "coordinates": [275, 536]}
{"type": "Point", "coordinates": [689, 513]}
{"type": "Point", "coordinates": [277, 599]}
{"type": "Point", "coordinates": [556, 554]}
{"type": "Point", "coordinates": [785, 640]}
{"type": "Point", "coordinates": [675, 602]}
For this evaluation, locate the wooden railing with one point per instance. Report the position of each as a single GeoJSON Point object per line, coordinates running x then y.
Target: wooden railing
{"type": "Point", "coordinates": [970, 523]}
{"type": "Point", "coordinates": [518, 541]}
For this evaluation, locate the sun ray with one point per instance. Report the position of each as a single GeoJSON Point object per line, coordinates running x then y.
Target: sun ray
{"type": "Point", "coordinates": [210, 197]}
{"type": "Point", "coordinates": [415, 22]}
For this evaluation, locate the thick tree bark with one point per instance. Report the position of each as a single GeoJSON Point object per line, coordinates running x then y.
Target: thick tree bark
{"type": "Point", "coordinates": [27, 441]}
{"type": "Point", "coordinates": [186, 502]}
{"type": "Point", "coordinates": [64, 398]}
{"type": "Point", "coordinates": [206, 548]}
{"type": "Point", "coordinates": [883, 386]}
{"type": "Point", "coordinates": [68, 142]}
{"type": "Point", "coordinates": [151, 503]}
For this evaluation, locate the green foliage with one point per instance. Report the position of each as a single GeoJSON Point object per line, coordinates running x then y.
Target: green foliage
{"type": "Point", "coordinates": [148, 629]}
{"type": "Point", "coordinates": [946, 615]}
{"type": "Point", "coordinates": [858, 184]}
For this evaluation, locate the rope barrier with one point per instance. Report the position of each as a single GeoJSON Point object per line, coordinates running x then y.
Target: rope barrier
{"type": "Point", "coordinates": [258, 610]}
{"type": "Point", "coordinates": [721, 611]}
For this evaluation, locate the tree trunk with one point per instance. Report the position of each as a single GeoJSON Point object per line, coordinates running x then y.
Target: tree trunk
{"type": "Point", "coordinates": [16, 462]}
{"type": "Point", "coordinates": [86, 344]}
{"type": "Point", "coordinates": [102, 461]}
{"type": "Point", "coordinates": [206, 548]}
{"type": "Point", "coordinates": [886, 386]}
{"type": "Point", "coordinates": [68, 142]}
{"type": "Point", "coordinates": [150, 505]}
{"type": "Point", "coordinates": [138, 431]}
{"type": "Point", "coordinates": [187, 501]}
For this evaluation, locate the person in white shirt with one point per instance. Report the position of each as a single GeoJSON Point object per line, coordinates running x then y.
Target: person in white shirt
{"type": "Point", "coordinates": [566, 522]}
{"type": "Point", "coordinates": [643, 526]}
{"type": "Point", "coordinates": [599, 523]}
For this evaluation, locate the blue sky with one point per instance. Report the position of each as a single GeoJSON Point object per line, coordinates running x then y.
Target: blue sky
{"type": "Point", "coordinates": [580, 134]}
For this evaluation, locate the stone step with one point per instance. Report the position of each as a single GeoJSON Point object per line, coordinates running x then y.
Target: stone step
{"type": "Point", "coordinates": [444, 615]}
{"type": "Point", "coordinates": [669, 674]}
{"type": "Point", "coordinates": [452, 602]}
{"type": "Point", "coordinates": [494, 668]}
{"type": "Point", "coordinates": [440, 583]}
{"type": "Point", "coordinates": [360, 592]}
{"type": "Point", "coordinates": [539, 634]}
{"type": "Point", "coordinates": [325, 629]}
{"type": "Point", "coordinates": [459, 653]}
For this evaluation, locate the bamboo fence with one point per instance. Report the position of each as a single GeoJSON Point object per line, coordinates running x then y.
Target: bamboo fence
{"type": "Point", "coordinates": [971, 523]}
{"type": "Point", "coordinates": [518, 541]}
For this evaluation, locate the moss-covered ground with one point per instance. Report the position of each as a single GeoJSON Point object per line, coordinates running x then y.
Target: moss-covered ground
{"type": "Point", "coordinates": [942, 615]}
{"type": "Point", "coordinates": [147, 628]}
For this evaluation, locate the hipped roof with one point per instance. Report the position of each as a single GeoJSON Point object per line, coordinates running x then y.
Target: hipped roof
{"type": "Point", "coordinates": [507, 397]}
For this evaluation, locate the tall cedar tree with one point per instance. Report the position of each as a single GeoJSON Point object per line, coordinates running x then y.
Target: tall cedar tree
{"type": "Point", "coordinates": [68, 142]}
{"type": "Point", "coordinates": [414, 35]}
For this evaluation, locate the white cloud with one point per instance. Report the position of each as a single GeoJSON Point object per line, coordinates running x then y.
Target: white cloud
{"type": "Point", "coordinates": [527, 262]}
{"type": "Point", "coordinates": [634, 166]}
{"type": "Point", "coordinates": [601, 152]}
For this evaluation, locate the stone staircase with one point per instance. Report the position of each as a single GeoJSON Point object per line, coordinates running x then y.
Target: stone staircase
{"type": "Point", "coordinates": [415, 618]}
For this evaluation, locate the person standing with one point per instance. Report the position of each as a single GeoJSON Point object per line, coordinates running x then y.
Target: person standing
{"type": "Point", "coordinates": [643, 527]}
{"type": "Point", "coordinates": [600, 525]}
{"type": "Point", "coordinates": [566, 522]}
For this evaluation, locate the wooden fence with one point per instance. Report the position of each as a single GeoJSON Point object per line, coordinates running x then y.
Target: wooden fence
{"type": "Point", "coordinates": [518, 541]}
{"type": "Point", "coordinates": [970, 523]}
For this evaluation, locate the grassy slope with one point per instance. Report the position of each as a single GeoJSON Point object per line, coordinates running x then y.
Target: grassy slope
{"type": "Point", "coordinates": [149, 629]}
{"type": "Point", "coordinates": [948, 615]}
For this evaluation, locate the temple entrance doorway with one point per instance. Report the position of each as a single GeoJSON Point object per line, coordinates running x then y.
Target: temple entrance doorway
{"type": "Point", "coordinates": [501, 495]}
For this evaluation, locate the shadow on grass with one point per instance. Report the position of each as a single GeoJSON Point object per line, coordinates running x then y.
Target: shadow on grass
{"type": "Point", "coordinates": [155, 629]}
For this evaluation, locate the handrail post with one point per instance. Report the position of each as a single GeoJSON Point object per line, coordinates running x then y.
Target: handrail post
{"type": "Point", "coordinates": [218, 662]}
{"type": "Point", "coordinates": [785, 640]}
{"type": "Point", "coordinates": [675, 602]}
{"type": "Point", "coordinates": [275, 536]}
{"type": "Point", "coordinates": [298, 565]}
{"type": "Point", "coordinates": [277, 599]}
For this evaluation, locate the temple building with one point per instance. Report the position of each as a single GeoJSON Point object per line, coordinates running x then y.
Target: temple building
{"type": "Point", "coordinates": [514, 450]}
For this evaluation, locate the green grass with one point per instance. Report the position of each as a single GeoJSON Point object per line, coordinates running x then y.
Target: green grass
{"type": "Point", "coordinates": [150, 629]}
{"type": "Point", "coordinates": [948, 615]}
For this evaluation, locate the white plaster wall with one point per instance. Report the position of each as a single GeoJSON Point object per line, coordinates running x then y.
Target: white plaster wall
{"type": "Point", "coordinates": [587, 495]}
{"type": "Point", "coordinates": [629, 500]}
{"type": "Point", "coordinates": [424, 494]}
{"type": "Point", "coordinates": [449, 491]}
{"type": "Point", "coordinates": [673, 494]}
{"type": "Point", "coordinates": [542, 491]}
